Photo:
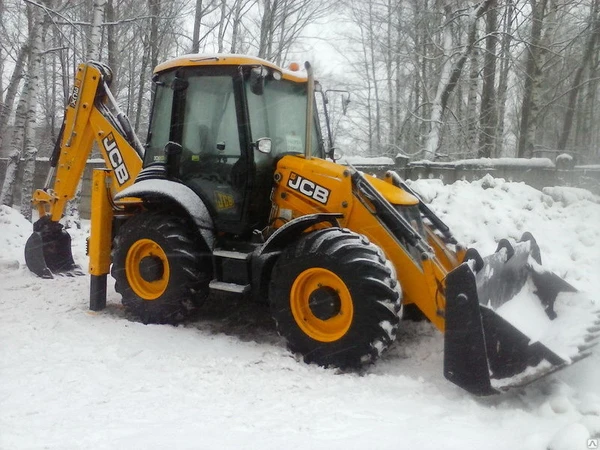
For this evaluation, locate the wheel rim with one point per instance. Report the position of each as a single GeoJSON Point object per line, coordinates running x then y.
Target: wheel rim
{"type": "Point", "coordinates": [147, 269]}
{"type": "Point", "coordinates": [321, 304]}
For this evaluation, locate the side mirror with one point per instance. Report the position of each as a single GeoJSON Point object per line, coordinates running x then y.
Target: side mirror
{"type": "Point", "coordinates": [334, 154]}
{"type": "Point", "coordinates": [263, 145]}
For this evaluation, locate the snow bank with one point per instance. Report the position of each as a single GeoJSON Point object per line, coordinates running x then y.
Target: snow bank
{"type": "Point", "coordinates": [14, 232]}
{"type": "Point", "coordinates": [563, 220]}
{"type": "Point", "coordinates": [570, 195]}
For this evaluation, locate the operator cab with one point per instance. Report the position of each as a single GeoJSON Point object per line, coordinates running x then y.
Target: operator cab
{"type": "Point", "coordinates": [224, 111]}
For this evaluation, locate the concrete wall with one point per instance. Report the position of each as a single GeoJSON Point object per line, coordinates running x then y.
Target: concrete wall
{"type": "Point", "coordinates": [587, 177]}
{"type": "Point", "coordinates": [41, 172]}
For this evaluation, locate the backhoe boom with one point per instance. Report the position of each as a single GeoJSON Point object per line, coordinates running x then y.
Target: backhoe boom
{"type": "Point", "coordinates": [92, 115]}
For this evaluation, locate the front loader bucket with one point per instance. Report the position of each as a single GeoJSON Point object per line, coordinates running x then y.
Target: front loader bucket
{"type": "Point", "coordinates": [512, 323]}
{"type": "Point", "coordinates": [48, 250]}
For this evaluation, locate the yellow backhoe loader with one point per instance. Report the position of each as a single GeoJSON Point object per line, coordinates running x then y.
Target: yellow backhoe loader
{"type": "Point", "coordinates": [234, 191]}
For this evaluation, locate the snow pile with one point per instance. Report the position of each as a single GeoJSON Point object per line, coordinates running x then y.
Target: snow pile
{"type": "Point", "coordinates": [70, 378]}
{"type": "Point", "coordinates": [565, 224]}
{"type": "Point", "coordinates": [14, 231]}
{"type": "Point", "coordinates": [570, 195]}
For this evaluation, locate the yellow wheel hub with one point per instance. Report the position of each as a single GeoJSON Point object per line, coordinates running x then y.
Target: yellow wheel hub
{"type": "Point", "coordinates": [147, 269]}
{"type": "Point", "coordinates": [321, 304]}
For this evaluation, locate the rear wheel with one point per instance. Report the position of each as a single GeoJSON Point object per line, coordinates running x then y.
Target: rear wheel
{"type": "Point", "coordinates": [160, 267]}
{"type": "Point", "coordinates": [334, 299]}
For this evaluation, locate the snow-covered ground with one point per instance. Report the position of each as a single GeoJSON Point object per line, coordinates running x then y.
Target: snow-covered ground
{"type": "Point", "coordinates": [73, 379]}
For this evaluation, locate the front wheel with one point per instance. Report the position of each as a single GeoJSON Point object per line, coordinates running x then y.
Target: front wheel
{"type": "Point", "coordinates": [334, 299]}
{"type": "Point", "coordinates": [161, 267]}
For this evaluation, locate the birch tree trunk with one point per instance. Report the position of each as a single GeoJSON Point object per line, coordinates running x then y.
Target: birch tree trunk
{"type": "Point", "coordinates": [72, 216]}
{"type": "Point", "coordinates": [533, 74]}
{"type": "Point", "coordinates": [15, 149]}
{"type": "Point", "coordinates": [111, 45]}
{"type": "Point", "coordinates": [504, 72]}
{"type": "Point", "coordinates": [586, 131]}
{"type": "Point", "coordinates": [25, 120]}
{"type": "Point", "coordinates": [155, 8]}
{"type": "Point", "coordinates": [433, 138]}
{"type": "Point", "coordinates": [472, 100]}
{"type": "Point", "coordinates": [1, 56]}
{"type": "Point", "coordinates": [222, 27]}
{"type": "Point", "coordinates": [95, 37]}
{"type": "Point", "coordinates": [35, 62]}
{"type": "Point", "coordinates": [7, 106]}
{"type": "Point", "coordinates": [488, 118]}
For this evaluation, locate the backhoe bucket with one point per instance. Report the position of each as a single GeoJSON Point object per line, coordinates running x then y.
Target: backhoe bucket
{"type": "Point", "coordinates": [48, 250]}
{"type": "Point", "coordinates": [511, 322]}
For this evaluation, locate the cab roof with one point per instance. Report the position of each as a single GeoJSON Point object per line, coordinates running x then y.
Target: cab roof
{"type": "Point", "coordinates": [200, 60]}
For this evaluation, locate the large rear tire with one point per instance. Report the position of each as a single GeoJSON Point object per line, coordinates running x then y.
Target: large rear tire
{"type": "Point", "coordinates": [161, 267]}
{"type": "Point", "coordinates": [334, 298]}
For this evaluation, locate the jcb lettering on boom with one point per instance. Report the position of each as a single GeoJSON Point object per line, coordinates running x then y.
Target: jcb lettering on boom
{"type": "Point", "coordinates": [308, 188]}
{"type": "Point", "coordinates": [116, 159]}
{"type": "Point", "coordinates": [74, 96]}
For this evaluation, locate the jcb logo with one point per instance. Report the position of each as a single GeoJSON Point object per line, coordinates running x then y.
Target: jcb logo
{"type": "Point", "coordinates": [116, 159]}
{"type": "Point", "coordinates": [308, 188]}
{"type": "Point", "coordinates": [224, 200]}
{"type": "Point", "coordinates": [74, 96]}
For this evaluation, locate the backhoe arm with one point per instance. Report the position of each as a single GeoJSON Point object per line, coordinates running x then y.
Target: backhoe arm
{"type": "Point", "coordinates": [92, 114]}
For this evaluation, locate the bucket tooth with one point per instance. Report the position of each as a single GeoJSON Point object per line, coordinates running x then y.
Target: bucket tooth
{"type": "Point", "coordinates": [592, 337]}
{"type": "Point", "coordinates": [587, 346]}
{"type": "Point", "coordinates": [594, 329]}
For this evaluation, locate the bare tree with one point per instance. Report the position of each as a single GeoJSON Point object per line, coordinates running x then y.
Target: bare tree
{"type": "Point", "coordinates": [7, 105]}
{"type": "Point", "coordinates": [533, 74]}
{"type": "Point", "coordinates": [95, 35]}
{"type": "Point", "coordinates": [201, 10]}
{"type": "Point", "coordinates": [590, 48]}
{"type": "Point", "coordinates": [450, 75]}
{"type": "Point", "coordinates": [23, 136]}
{"type": "Point", "coordinates": [282, 23]}
{"type": "Point", "coordinates": [504, 74]}
{"type": "Point", "coordinates": [488, 118]}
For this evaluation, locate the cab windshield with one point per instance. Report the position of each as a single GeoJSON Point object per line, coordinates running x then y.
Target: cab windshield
{"type": "Point", "coordinates": [279, 113]}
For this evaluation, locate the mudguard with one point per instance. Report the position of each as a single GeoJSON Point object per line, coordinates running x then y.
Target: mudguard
{"type": "Point", "coordinates": [177, 193]}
